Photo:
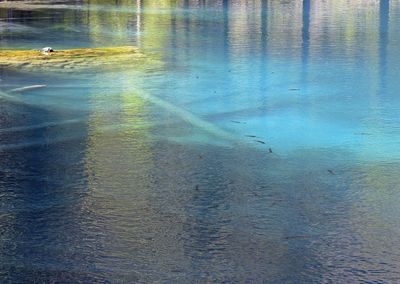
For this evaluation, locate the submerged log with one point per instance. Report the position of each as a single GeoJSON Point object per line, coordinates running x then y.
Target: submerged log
{"type": "Point", "coordinates": [26, 89]}
{"type": "Point", "coordinates": [75, 60]}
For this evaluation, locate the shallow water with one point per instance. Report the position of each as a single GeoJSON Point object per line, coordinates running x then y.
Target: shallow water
{"type": "Point", "coordinates": [167, 175]}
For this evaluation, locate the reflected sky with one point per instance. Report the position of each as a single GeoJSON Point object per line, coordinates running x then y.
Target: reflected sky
{"type": "Point", "coordinates": [263, 150]}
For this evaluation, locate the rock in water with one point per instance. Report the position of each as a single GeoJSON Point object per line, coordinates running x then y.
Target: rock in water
{"type": "Point", "coordinates": [47, 49]}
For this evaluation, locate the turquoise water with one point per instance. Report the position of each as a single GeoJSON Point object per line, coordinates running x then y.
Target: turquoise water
{"type": "Point", "coordinates": [263, 149]}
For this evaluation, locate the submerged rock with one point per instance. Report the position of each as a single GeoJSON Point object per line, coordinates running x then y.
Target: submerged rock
{"type": "Point", "coordinates": [77, 60]}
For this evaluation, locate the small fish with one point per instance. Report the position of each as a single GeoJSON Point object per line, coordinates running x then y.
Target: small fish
{"type": "Point", "coordinates": [270, 150]}
{"type": "Point", "coordinates": [259, 141]}
{"type": "Point", "coordinates": [235, 121]}
{"type": "Point", "coordinates": [331, 172]}
{"type": "Point", "coordinates": [251, 136]}
{"type": "Point", "coordinates": [275, 202]}
{"type": "Point", "coordinates": [363, 133]}
{"type": "Point", "coordinates": [197, 187]}
{"type": "Point", "coordinates": [294, 89]}
{"type": "Point", "coordinates": [296, 237]}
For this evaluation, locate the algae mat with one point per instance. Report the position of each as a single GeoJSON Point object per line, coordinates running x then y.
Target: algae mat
{"type": "Point", "coordinates": [78, 60]}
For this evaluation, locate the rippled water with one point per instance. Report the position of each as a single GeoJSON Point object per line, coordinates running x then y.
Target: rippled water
{"type": "Point", "coordinates": [263, 150]}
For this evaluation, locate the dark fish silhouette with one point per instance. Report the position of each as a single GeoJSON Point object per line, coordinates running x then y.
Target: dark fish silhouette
{"type": "Point", "coordinates": [251, 136]}
{"type": "Point", "coordinates": [259, 141]}
{"type": "Point", "coordinates": [270, 150]}
{"type": "Point", "coordinates": [296, 237]}
{"type": "Point", "coordinates": [331, 172]}
{"type": "Point", "coordinates": [294, 89]}
{"type": "Point", "coordinates": [363, 133]}
{"type": "Point", "coordinates": [235, 121]}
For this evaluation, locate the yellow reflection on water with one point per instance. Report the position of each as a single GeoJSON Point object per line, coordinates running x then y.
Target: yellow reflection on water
{"type": "Point", "coordinates": [117, 152]}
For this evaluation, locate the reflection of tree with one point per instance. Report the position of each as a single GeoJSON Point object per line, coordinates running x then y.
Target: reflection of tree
{"type": "Point", "coordinates": [38, 185]}
{"type": "Point", "coordinates": [119, 164]}
{"type": "Point", "coordinates": [156, 27]}
{"type": "Point", "coordinates": [350, 26]}
{"type": "Point", "coordinates": [110, 27]}
{"type": "Point", "coordinates": [9, 198]}
{"type": "Point", "coordinates": [378, 183]}
{"type": "Point", "coordinates": [306, 30]}
{"type": "Point", "coordinates": [114, 150]}
{"type": "Point", "coordinates": [377, 86]}
{"type": "Point", "coordinates": [383, 39]}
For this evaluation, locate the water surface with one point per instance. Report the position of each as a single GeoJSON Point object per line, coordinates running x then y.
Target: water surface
{"type": "Point", "coordinates": [263, 150]}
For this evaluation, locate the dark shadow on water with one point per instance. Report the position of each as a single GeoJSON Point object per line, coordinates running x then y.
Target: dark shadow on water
{"type": "Point", "coordinates": [42, 187]}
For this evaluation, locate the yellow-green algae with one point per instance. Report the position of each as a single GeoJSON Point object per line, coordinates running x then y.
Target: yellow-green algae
{"type": "Point", "coordinates": [76, 60]}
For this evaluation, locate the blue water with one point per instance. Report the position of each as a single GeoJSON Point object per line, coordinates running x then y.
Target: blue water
{"type": "Point", "coordinates": [264, 149]}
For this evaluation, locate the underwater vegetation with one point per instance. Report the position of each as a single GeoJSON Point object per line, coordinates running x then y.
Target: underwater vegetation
{"type": "Point", "coordinates": [76, 60]}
